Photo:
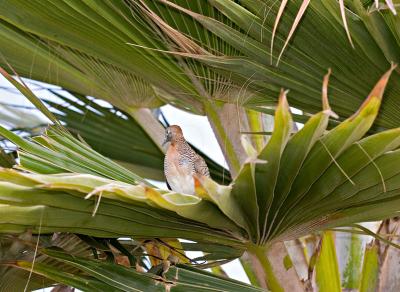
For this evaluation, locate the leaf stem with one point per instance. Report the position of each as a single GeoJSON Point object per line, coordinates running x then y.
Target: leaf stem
{"type": "Point", "coordinates": [226, 144]}
{"type": "Point", "coordinates": [260, 252]}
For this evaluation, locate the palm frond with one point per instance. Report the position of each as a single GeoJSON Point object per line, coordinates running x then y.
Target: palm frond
{"type": "Point", "coordinates": [298, 186]}
{"type": "Point", "coordinates": [106, 276]}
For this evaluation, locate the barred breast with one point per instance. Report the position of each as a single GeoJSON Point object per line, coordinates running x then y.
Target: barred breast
{"type": "Point", "coordinates": [180, 164]}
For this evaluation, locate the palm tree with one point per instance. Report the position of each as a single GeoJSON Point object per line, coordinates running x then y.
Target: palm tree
{"type": "Point", "coordinates": [78, 208]}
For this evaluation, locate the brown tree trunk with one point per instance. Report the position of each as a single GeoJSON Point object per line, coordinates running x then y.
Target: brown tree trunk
{"type": "Point", "coordinates": [389, 272]}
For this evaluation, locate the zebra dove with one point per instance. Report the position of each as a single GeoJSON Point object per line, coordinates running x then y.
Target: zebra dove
{"type": "Point", "coordinates": [181, 163]}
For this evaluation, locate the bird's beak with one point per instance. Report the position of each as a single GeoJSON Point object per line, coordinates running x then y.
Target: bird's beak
{"type": "Point", "coordinates": [168, 138]}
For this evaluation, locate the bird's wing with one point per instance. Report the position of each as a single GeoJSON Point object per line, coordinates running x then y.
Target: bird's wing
{"type": "Point", "coordinates": [200, 166]}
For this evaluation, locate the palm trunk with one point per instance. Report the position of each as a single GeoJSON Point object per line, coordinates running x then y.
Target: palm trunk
{"type": "Point", "coordinates": [273, 268]}
{"type": "Point", "coordinates": [389, 271]}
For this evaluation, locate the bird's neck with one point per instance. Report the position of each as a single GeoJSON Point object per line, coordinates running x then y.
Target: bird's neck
{"type": "Point", "coordinates": [178, 141]}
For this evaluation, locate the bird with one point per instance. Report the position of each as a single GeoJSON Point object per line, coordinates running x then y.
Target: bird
{"type": "Point", "coordinates": [182, 165]}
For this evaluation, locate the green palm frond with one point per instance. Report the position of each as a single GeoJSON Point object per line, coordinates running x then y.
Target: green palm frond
{"type": "Point", "coordinates": [234, 41]}
{"type": "Point", "coordinates": [308, 58]}
{"type": "Point", "coordinates": [96, 275]}
{"type": "Point", "coordinates": [209, 57]}
{"type": "Point", "coordinates": [120, 87]}
{"type": "Point", "coordinates": [103, 46]}
{"type": "Point", "coordinates": [22, 247]}
{"type": "Point", "coordinates": [299, 186]}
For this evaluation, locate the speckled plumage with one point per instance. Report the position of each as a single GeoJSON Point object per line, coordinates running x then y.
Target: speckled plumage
{"type": "Point", "coordinates": [181, 162]}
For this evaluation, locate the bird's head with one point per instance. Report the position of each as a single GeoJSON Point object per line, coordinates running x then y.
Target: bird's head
{"type": "Point", "coordinates": [172, 134]}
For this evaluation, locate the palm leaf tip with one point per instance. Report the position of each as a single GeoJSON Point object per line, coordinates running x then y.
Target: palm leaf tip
{"type": "Point", "coordinates": [325, 101]}
{"type": "Point", "coordinates": [379, 88]}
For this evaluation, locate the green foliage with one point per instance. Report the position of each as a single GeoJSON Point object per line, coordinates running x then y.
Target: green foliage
{"type": "Point", "coordinates": [199, 55]}
{"type": "Point", "coordinates": [22, 248]}
{"type": "Point", "coordinates": [58, 152]}
{"type": "Point", "coordinates": [327, 270]}
{"type": "Point", "coordinates": [220, 46]}
{"type": "Point", "coordinates": [351, 275]}
{"type": "Point", "coordinates": [96, 275]}
{"type": "Point", "coordinates": [369, 280]}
